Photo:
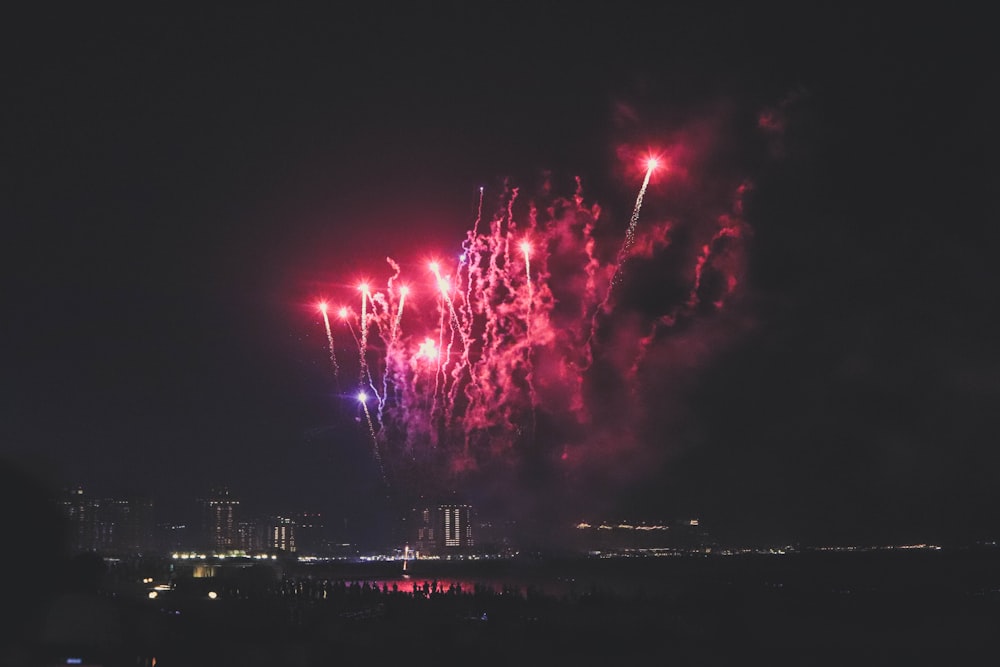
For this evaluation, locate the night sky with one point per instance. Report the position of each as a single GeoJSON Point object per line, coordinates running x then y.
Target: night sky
{"type": "Point", "coordinates": [180, 190]}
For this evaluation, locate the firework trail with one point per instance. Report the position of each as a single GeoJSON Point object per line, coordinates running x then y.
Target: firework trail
{"type": "Point", "coordinates": [329, 337]}
{"type": "Point", "coordinates": [526, 250]}
{"type": "Point", "coordinates": [445, 288]}
{"type": "Point", "coordinates": [344, 314]}
{"type": "Point", "coordinates": [468, 247]}
{"type": "Point", "coordinates": [651, 166]}
{"type": "Point", "coordinates": [363, 399]}
{"type": "Point", "coordinates": [363, 346]}
{"type": "Point", "coordinates": [403, 291]}
{"type": "Point", "coordinates": [364, 371]}
{"type": "Point", "coordinates": [364, 376]}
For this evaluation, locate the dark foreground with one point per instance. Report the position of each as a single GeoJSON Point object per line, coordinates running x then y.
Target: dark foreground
{"type": "Point", "coordinates": [922, 607]}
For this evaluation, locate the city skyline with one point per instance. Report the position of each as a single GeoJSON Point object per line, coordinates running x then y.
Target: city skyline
{"type": "Point", "coordinates": [785, 329]}
{"type": "Point", "coordinates": [129, 526]}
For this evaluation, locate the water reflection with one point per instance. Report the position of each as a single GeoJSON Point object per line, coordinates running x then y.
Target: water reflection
{"type": "Point", "coordinates": [423, 586]}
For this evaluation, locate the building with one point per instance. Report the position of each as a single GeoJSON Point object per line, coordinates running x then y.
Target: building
{"type": "Point", "coordinates": [129, 525]}
{"type": "Point", "coordinates": [108, 525]}
{"type": "Point", "coordinates": [251, 537]}
{"type": "Point", "coordinates": [281, 534]}
{"type": "Point", "coordinates": [310, 533]}
{"type": "Point", "coordinates": [218, 520]}
{"type": "Point", "coordinates": [81, 513]}
{"type": "Point", "coordinates": [443, 530]}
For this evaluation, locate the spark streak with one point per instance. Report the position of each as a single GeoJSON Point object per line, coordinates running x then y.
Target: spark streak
{"type": "Point", "coordinates": [362, 348]}
{"type": "Point", "coordinates": [403, 291]}
{"type": "Point", "coordinates": [651, 165]}
{"type": "Point", "coordinates": [329, 337]}
{"type": "Point", "coordinates": [445, 288]}
{"type": "Point", "coordinates": [363, 399]}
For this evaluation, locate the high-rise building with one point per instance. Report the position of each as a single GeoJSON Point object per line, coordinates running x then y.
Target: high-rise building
{"type": "Point", "coordinates": [173, 536]}
{"type": "Point", "coordinates": [443, 529]}
{"type": "Point", "coordinates": [218, 519]}
{"type": "Point", "coordinates": [309, 533]}
{"type": "Point", "coordinates": [108, 525]}
{"type": "Point", "coordinates": [282, 534]}
{"type": "Point", "coordinates": [425, 539]}
{"type": "Point", "coordinates": [81, 513]}
{"type": "Point", "coordinates": [129, 525]}
{"type": "Point", "coordinates": [251, 536]}
{"type": "Point", "coordinates": [457, 525]}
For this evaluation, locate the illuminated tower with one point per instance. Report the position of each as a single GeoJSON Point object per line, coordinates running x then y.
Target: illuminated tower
{"type": "Point", "coordinates": [219, 519]}
{"type": "Point", "coordinates": [457, 521]}
{"type": "Point", "coordinates": [425, 540]}
{"type": "Point", "coordinates": [81, 512]}
{"type": "Point", "coordinates": [445, 529]}
{"type": "Point", "coordinates": [107, 525]}
{"type": "Point", "coordinates": [281, 534]}
{"type": "Point", "coordinates": [309, 535]}
{"type": "Point", "coordinates": [130, 524]}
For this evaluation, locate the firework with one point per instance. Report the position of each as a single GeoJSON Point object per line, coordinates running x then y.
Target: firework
{"type": "Point", "coordinates": [504, 338]}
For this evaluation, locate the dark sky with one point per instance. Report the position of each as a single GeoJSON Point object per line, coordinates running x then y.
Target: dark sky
{"type": "Point", "coordinates": [180, 189]}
